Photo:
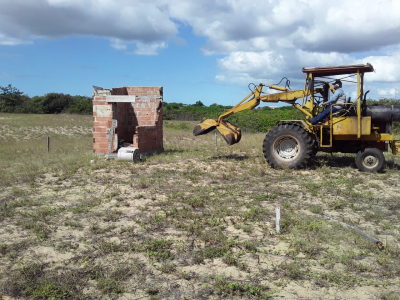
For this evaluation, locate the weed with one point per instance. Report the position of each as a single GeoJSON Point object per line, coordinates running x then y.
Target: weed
{"type": "Point", "coordinates": [159, 249]}
{"type": "Point", "coordinates": [388, 295]}
{"type": "Point", "coordinates": [42, 231]}
{"type": "Point", "coordinates": [153, 290]}
{"type": "Point", "coordinates": [96, 229]}
{"type": "Point", "coordinates": [214, 252]}
{"type": "Point", "coordinates": [167, 268]}
{"type": "Point", "coordinates": [292, 270]}
{"type": "Point", "coordinates": [72, 223]}
{"type": "Point", "coordinates": [339, 204]}
{"type": "Point", "coordinates": [316, 209]}
{"type": "Point", "coordinates": [34, 281]}
{"type": "Point", "coordinates": [112, 215]}
{"type": "Point", "coordinates": [110, 286]}
{"type": "Point", "coordinates": [143, 183]}
{"type": "Point", "coordinates": [227, 288]}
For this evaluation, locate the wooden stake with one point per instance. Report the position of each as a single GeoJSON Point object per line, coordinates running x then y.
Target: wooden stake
{"type": "Point", "coordinates": [48, 144]}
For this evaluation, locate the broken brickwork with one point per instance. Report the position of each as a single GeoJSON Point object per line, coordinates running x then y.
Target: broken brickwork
{"type": "Point", "coordinates": [128, 116]}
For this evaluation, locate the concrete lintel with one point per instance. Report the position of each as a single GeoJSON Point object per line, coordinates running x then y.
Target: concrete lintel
{"type": "Point", "coordinates": [124, 98]}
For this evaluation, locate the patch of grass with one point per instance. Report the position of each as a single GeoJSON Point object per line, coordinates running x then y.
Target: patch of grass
{"type": "Point", "coordinates": [111, 247]}
{"type": "Point", "coordinates": [339, 204]}
{"type": "Point", "coordinates": [96, 229]}
{"type": "Point", "coordinates": [34, 281]}
{"type": "Point", "coordinates": [72, 223]}
{"type": "Point", "coordinates": [110, 286]}
{"type": "Point", "coordinates": [41, 230]}
{"type": "Point", "coordinates": [388, 295]}
{"type": "Point", "coordinates": [159, 249]}
{"type": "Point", "coordinates": [214, 252]}
{"type": "Point", "coordinates": [167, 268]}
{"type": "Point", "coordinates": [112, 215]}
{"type": "Point", "coordinates": [153, 290]}
{"type": "Point", "coordinates": [228, 288]}
{"type": "Point", "coordinates": [316, 209]}
{"type": "Point", "coordinates": [338, 278]}
{"type": "Point", "coordinates": [292, 270]}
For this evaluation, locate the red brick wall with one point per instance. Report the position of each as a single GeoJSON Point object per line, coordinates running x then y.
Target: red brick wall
{"type": "Point", "coordinates": [139, 123]}
{"type": "Point", "coordinates": [148, 113]}
{"type": "Point", "coordinates": [101, 123]}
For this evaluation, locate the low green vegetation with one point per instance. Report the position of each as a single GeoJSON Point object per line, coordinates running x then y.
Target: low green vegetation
{"type": "Point", "coordinates": [260, 119]}
{"type": "Point", "coordinates": [13, 100]}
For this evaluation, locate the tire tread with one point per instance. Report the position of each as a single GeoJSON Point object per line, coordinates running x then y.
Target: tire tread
{"type": "Point", "coordinates": [307, 145]}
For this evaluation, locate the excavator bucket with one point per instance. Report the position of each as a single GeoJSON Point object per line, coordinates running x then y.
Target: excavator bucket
{"type": "Point", "coordinates": [204, 127]}
{"type": "Point", "coordinates": [229, 132]}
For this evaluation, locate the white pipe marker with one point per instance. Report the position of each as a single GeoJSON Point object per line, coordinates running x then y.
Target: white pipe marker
{"type": "Point", "coordinates": [278, 219]}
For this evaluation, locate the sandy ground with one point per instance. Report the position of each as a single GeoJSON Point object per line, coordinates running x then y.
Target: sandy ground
{"type": "Point", "coordinates": [106, 214]}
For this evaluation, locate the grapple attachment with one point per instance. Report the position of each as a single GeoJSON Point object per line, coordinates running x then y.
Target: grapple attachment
{"type": "Point", "coordinates": [229, 132]}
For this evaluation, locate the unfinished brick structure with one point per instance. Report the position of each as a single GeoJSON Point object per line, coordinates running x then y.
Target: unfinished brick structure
{"type": "Point", "coordinates": [127, 116]}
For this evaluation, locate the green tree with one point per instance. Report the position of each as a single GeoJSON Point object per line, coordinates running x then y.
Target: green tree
{"type": "Point", "coordinates": [11, 99]}
{"type": "Point", "coordinates": [55, 103]}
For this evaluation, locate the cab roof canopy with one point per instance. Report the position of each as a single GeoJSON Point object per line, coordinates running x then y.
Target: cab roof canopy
{"type": "Point", "coordinates": [339, 70]}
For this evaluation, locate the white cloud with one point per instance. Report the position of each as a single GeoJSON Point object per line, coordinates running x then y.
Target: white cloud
{"type": "Point", "coordinates": [271, 39]}
{"type": "Point", "coordinates": [125, 20]}
{"type": "Point", "coordinates": [388, 92]}
{"type": "Point", "coordinates": [118, 44]}
{"type": "Point", "coordinates": [258, 40]}
{"type": "Point", "coordinates": [149, 49]}
{"type": "Point", "coordinates": [11, 41]}
{"type": "Point", "coordinates": [387, 67]}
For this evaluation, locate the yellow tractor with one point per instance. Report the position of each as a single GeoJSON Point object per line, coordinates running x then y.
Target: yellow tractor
{"type": "Point", "coordinates": [355, 128]}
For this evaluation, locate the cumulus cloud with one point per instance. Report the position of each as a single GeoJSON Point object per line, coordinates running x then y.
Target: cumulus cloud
{"type": "Point", "coordinates": [118, 44]}
{"type": "Point", "coordinates": [261, 39]}
{"type": "Point", "coordinates": [387, 67]}
{"type": "Point", "coordinates": [388, 92]}
{"type": "Point", "coordinates": [149, 49]}
{"type": "Point", "coordinates": [271, 39]}
{"type": "Point", "coordinates": [11, 41]}
{"type": "Point", "coordinates": [120, 20]}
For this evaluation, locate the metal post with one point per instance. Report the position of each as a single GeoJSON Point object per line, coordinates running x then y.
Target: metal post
{"type": "Point", "coordinates": [359, 98]}
{"type": "Point", "coordinates": [216, 144]}
{"type": "Point", "coordinates": [48, 144]}
{"type": "Point", "coordinates": [278, 219]}
{"type": "Point", "coordinates": [358, 231]}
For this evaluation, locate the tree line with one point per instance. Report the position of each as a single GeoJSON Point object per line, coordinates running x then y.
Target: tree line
{"type": "Point", "coordinates": [257, 120]}
{"type": "Point", "coordinates": [13, 100]}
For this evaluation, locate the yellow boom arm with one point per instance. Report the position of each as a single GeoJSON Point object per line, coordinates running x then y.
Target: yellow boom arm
{"type": "Point", "coordinates": [230, 132]}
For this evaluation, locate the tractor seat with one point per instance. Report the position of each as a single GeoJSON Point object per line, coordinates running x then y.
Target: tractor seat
{"type": "Point", "coordinates": [342, 111]}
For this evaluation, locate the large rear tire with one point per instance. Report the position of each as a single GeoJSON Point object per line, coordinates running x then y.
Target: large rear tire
{"type": "Point", "coordinates": [288, 146]}
{"type": "Point", "coordinates": [370, 160]}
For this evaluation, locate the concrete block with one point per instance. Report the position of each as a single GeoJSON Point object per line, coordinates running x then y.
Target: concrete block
{"type": "Point", "coordinates": [102, 111]}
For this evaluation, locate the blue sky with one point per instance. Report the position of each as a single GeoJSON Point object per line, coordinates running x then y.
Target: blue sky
{"type": "Point", "coordinates": [207, 50]}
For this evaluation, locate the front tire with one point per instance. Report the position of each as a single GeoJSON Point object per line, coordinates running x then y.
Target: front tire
{"type": "Point", "coordinates": [370, 160]}
{"type": "Point", "coordinates": [288, 146]}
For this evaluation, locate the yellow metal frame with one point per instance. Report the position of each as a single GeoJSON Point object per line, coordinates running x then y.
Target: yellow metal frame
{"type": "Point", "coordinates": [310, 108]}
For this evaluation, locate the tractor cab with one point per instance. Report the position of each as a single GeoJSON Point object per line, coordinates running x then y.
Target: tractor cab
{"type": "Point", "coordinates": [349, 123]}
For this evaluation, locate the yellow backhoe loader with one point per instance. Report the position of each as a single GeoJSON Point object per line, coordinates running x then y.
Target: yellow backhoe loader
{"type": "Point", "coordinates": [356, 128]}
